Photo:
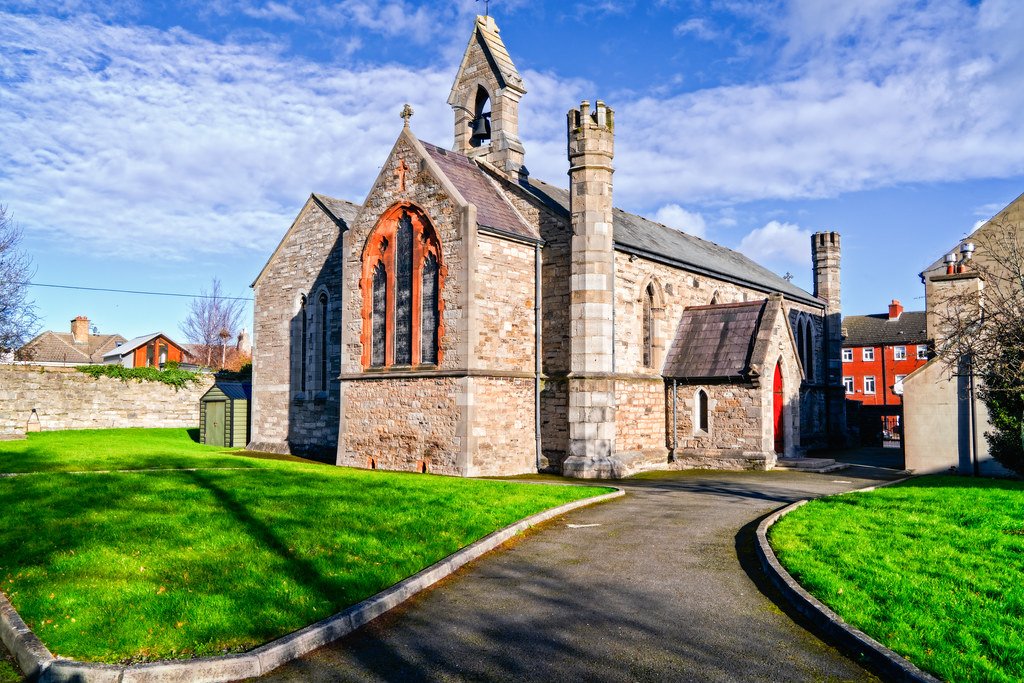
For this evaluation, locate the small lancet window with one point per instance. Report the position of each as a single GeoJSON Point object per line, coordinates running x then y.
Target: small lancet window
{"type": "Point", "coordinates": [322, 322]}
{"type": "Point", "coordinates": [702, 411]}
{"type": "Point", "coordinates": [648, 327]}
{"type": "Point", "coordinates": [303, 343]}
{"type": "Point", "coordinates": [379, 315]}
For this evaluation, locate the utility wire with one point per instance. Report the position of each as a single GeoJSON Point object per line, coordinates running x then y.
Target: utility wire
{"type": "Point", "coordinates": [133, 291]}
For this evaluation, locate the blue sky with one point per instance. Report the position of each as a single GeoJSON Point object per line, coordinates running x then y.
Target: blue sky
{"type": "Point", "coordinates": [155, 145]}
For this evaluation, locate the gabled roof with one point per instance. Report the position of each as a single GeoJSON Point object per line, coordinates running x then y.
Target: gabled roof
{"type": "Point", "coordinates": [1012, 213]}
{"type": "Point", "coordinates": [875, 330]}
{"type": "Point", "coordinates": [493, 210]}
{"type": "Point", "coordinates": [660, 242]}
{"type": "Point", "coordinates": [485, 33]}
{"type": "Point", "coordinates": [341, 211]}
{"type": "Point", "coordinates": [132, 344]}
{"type": "Point", "coordinates": [61, 347]}
{"type": "Point", "coordinates": [715, 342]}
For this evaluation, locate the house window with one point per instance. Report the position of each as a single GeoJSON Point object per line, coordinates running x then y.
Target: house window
{"type": "Point", "coordinates": [402, 280]}
{"type": "Point", "coordinates": [150, 353]}
{"type": "Point", "coordinates": [869, 385]}
{"type": "Point", "coordinates": [898, 384]}
{"type": "Point", "coordinates": [922, 352]}
{"type": "Point", "coordinates": [322, 327]}
{"type": "Point", "coordinates": [847, 355]}
{"type": "Point", "coordinates": [868, 353]}
{"type": "Point", "coordinates": [648, 327]}
{"type": "Point", "coordinates": [163, 355]}
{"type": "Point", "coordinates": [899, 352]}
{"type": "Point", "coordinates": [848, 384]}
{"type": "Point", "coordinates": [701, 417]}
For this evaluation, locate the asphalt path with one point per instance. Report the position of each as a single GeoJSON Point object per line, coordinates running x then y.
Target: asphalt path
{"type": "Point", "coordinates": [661, 585]}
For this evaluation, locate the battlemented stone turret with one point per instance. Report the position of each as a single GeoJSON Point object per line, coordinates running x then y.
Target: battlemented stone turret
{"type": "Point", "coordinates": [591, 147]}
{"type": "Point", "coordinates": [825, 254]}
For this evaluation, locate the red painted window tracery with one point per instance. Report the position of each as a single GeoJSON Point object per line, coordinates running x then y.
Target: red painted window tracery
{"type": "Point", "coordinates": [401, 283]}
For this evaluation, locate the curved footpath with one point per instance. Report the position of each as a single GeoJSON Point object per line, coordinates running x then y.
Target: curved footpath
{"type": "Point", "coordinates": [662, 585]}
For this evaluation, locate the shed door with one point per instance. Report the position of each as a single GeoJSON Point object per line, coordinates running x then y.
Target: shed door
{"type": "Point", "coordinates": [215, 423]}
{"type": "Point", "coordinates": [777, 400]}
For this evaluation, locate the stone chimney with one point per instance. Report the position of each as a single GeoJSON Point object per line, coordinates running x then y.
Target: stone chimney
{"type": "Point", "coordinates": [895, 309]}
{"type": "Point", "coordinates": [948, 295]}
{"type": "Point", "coordinates": [244, 345]}
{"type": "Point", "coordinates": [80, 329]}
{"type": "Point", "coordinates": [591, 147]}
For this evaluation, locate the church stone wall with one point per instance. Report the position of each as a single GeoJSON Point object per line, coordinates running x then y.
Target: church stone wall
{"type": "Point", "coordinates": [503, 439]}
{"type": "Point", "coordinates": [640, 414]}
{"type": "Point", "coordinates": [504, 295]}
{"type": "Point", "coordinates": [401, 423]}
{"type": "Point", "coordinates": [285, 419]}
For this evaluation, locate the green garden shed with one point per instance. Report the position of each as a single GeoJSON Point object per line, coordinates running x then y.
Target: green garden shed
{"type": "Point", "coordinates": [224, 414]}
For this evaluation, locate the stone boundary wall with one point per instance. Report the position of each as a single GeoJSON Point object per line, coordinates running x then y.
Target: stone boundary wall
{"type": "Point", "coordinates": [64, 398]}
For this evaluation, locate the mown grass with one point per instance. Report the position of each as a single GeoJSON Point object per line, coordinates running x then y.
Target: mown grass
{"type": "Point", "coordinates": [930, 568]}
{"type": "Point", "coordinates": [144, 565]}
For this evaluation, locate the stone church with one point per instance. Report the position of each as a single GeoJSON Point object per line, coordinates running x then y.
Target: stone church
{"type": "Point", "coordinates": [468, 319]}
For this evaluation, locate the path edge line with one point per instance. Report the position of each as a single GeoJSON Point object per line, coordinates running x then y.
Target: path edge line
{"type": "Point", "coordinates": [893, 666]}
{"type": "Point", "coordinates": [39, 664]}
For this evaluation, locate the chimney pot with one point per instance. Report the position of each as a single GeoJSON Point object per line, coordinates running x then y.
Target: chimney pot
{"type": "Point", "coordinates": [895, 309]}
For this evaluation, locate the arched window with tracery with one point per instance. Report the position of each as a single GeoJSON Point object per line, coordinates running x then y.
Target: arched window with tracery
{"type": "Point", "coordinates": [402, 279]}
{"type": "Point", "coordinates": [648, 326]}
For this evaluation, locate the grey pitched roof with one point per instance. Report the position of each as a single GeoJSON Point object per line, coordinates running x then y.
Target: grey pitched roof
{"type": "Point", "coordinates": [1011, 213]}
{"type": "Point", "coordinates": [492, 209]}
{"type": "Point", "coordinates": [660, 242]}
{"type": "Point", "coordinates": [342, 210]}
{"type": "Point", "coordinates": [875, 330]}
{"type": "Point", "coordinates": [132, 344]}
{"type": "Point", "coordinates": [61, 347]}
{"type": "Point", "coordinates": [235, 390]}
{"type": "Point", "coordinates": [714, 342]}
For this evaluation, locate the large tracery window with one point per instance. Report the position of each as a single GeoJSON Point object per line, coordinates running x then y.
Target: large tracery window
{"type": "Point", "coordinates": [402, 278]}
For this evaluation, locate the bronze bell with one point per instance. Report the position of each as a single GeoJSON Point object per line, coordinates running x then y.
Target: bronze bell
{"type": "Point", "coordinates": [481, 127]}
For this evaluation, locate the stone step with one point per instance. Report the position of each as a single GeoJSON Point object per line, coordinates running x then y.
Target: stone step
{"type": "Point", "coordinates": [820, 465]}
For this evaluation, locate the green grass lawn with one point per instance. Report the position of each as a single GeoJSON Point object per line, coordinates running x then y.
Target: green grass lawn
{"type": "Point", "coordinates": [931, 568]}
{"type": "Point", "coordinates": [143, 565]}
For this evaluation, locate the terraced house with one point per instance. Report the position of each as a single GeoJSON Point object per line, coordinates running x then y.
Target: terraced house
{"type": "Point", "coordinates": [466, 318]}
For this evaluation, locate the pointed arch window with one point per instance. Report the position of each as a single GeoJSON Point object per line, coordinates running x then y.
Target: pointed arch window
{"type": "Point", "coordinates": [702, 409]}
{"type": "Point", "coordinates": [303, 343]}
{"type": "Point", "coordinates": [321, 322]}
{"type": "Point", "coordinates": [648, 327]}
{"type": "Point", "coordinates": [402, 280]}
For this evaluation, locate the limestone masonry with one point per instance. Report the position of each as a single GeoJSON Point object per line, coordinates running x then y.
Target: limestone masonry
{"type": "Point", "coordinates": [468, 319]}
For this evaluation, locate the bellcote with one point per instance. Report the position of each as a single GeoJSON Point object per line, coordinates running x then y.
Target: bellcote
{"type": "Point", "coordinates": [485, 100]}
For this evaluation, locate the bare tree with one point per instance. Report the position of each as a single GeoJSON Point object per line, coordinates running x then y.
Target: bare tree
{"type": "Point", "coordinates": [982, 329]}
{"type": "Point", "coordinates": [18, 317]}
{"type": "Point", "coordinates": [212, 318]}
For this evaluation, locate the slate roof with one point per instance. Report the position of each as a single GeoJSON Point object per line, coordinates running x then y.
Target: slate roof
{"type": "Point", "coordinates": [60, 347]}
{"type": "Point", "coordinates": [492, 209]}
{"type": "Point", "coordinates": [236, 391]}
{"type": "Point", "coordinates": [875, 330]}
{"type": "Point", "coordinates": [342, 210]}
{"type": "Point", "coordinates": [714, 342]}
{"type": "Point", "coordinates": [664, 243]}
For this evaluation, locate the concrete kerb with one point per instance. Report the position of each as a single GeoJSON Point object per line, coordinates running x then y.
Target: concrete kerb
{"type": "Point", "coordinates": [891, 665]}
{"type": "Point", "coordinates": [39, 664]}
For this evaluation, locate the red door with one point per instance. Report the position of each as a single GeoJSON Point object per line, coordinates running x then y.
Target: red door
{"type": "Point", "coordinates": [780, 441]}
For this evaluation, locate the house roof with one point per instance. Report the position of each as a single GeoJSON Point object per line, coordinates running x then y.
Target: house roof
{"type": "Point", "coordinates": [714, 342]}
{"type": "Point", "coordinates": [61, 347]}
{"type": "Point", "coordinates": [1012, 212]}
{"type": "Point", "coordinates": [661, 242]}
{"type": "Point", "coordinates": [132, 344]}
{"type": "Point", "coordinates": [492, 208]}
{"type": "Point", "coordinates": [877, 329]}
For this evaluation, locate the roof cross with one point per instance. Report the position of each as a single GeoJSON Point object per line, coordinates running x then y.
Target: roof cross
{"type": "Point", "coordinates": [406, 114]}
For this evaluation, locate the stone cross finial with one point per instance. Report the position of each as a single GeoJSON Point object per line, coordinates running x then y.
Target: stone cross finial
{"type": "Point", "coordinates": [400, 170]}
{"type": "Point", "coordinates": [406, 114]}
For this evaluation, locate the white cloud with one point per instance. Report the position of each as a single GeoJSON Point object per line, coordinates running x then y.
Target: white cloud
{"type": "Point", "coordinates": [697, 27]}
{"type": "Point", "coordinates": [778, 243]}
{"type": "Point", "coordinates": [675, 216]}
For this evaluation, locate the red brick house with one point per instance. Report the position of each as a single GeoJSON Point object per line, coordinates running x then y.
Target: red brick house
{"type": "Point", "coordinates": [879, 350]}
